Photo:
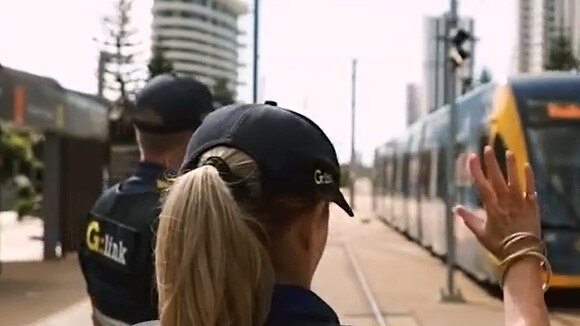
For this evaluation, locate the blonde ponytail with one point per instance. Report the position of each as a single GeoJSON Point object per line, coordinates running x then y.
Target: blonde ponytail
{"type": "Point", "coordinates": [211, 267]}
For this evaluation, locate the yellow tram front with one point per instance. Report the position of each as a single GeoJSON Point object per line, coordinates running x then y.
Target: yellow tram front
{"type": "Point", "coordinates": [539, 119]}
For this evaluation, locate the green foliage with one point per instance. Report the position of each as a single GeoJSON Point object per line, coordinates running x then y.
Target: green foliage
{"type": "Point", "coordinates": [16, 147]}
{"type": "Point", "coordinates": [221, 92]}
{"type": "Point", "coordinates": [561, 56]}
{"type": "Point", "coordinates": [16, 155]}
{"type": "Point", "coordinates": [121, 48]}
{"type": "Point", "coordinates": [158, 64]}
{"type": "Point", "coordinates": [27, 200]}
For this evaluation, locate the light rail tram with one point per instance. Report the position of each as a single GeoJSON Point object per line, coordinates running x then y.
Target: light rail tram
{"type": "Point", "coordinates": [536, 117]}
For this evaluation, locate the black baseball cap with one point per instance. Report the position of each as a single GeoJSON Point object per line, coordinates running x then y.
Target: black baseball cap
{"type": "Point", "coordinates": [294, 155]}
{"type": "Point", "coordinates": [169, 103]}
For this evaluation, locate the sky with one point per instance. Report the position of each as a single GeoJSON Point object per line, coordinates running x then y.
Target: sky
{"type": "Point", "coordinates": [306, 49]}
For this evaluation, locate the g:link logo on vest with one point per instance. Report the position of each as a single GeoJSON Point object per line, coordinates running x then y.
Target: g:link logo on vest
{"type": "Point", "coordinates": [105, 245]}
{"type": "Point", "coordinates": [323, 178]}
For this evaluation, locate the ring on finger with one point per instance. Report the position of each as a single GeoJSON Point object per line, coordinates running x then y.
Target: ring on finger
{"type": "Point", "coordinates": [531, 196]}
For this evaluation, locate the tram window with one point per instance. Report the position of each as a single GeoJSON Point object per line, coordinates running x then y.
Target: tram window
{"type": "Point", "coordinates": [421, 174]}
{"type": "Point", "coordinates": [405, 175]}
{"type": "Point", "coordinates": [459, 165]}
{"type": "Point", "coordinates": [425, 170]}
{"type": "Point", "coordinates": [387, 176]}
{"type": "Point", "coordinates": [393, 176]}
{"type": "Point", "coordinates": [416, 176]}
{"type": "Point", "coordinates": [433, 173]}
{"type": "Point", "coordinates": [441, 175]}
{"type": "Point", "coordinates": [383, 175]}
{"type": "Point", "coordinates": [412, 176]}
{"type": "Point", "coordinates": [460, 176]}
{"type": "Point", "coordinates": [398, 175]}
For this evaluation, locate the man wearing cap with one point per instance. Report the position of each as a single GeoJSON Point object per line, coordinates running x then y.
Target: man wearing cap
{"type": "Point", "coordinates": [118, 234]}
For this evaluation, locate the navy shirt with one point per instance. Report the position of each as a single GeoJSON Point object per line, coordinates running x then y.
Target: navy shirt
{"type": "Point", "coordinates": [293, 305]}
{"type": "Point", "coordinates": [116, 251]}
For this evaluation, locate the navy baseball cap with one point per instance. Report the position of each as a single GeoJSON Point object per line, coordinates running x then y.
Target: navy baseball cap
{"type": "Point", "coordinates": [294, 155]}
{"type": "Point", "coordinates": [169, 103]}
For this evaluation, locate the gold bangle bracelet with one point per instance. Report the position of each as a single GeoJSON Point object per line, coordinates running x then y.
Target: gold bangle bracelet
{"type": "Point", "coordinates": [540, 245]}
{"type": "Point", "coordinates": [529, 252]}
{"type": "Point", "coordinates": [518, 236]}
{"type": "Point", "coordinates": [515, 237]}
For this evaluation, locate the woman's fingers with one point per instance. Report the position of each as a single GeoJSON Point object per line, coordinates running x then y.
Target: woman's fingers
{"type": "Point", "coordinates": [472, 221]}
{"type": "Point", "coordinates": [503, 203]}
{"type": "Point", "coordinates": [530, 181]}
{"type": "Point", "coordinates": [483, 186]}
{"type": "Point", "coordinates": [494, 172]}
{"type": "Point", "coordinates": [514, 186]}
{"type": "Point", "coordinates": [531, 195]}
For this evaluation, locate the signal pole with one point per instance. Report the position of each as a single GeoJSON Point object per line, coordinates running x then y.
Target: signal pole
{"type": "Point", "coordinates": [256, 36]}
{"type": "Point", "coordinates": [104, 58]}
{"type": "Point", "coordinates": [450, 293]}
{"type": "Point", "coordinates": [352, 137]}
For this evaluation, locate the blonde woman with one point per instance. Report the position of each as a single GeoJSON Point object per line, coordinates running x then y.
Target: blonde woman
{"type": "Point", "coordinates": [243, 228]}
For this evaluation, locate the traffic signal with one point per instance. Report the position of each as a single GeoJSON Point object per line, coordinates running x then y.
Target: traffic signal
{"type": "Point", "coordinates": [457, 53]}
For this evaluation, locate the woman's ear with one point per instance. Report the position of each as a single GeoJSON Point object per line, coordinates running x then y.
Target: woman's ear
{"type": "Point", "coordinates": [307, 226]}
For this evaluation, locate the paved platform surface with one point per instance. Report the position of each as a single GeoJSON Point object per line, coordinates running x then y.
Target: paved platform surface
{"type": "Point", "coordinates": [20, 241]}
{"type": "Point", "coordinates": [403, 279]}
{"type": "Point", "coordinates": [30, 292]}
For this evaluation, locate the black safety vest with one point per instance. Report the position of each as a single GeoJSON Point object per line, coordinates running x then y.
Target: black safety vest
{"type": "Point", "coordinates": [116, 252]}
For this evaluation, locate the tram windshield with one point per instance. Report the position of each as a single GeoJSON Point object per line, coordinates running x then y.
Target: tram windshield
{"type": "Point", "coordinates": [556, 148]}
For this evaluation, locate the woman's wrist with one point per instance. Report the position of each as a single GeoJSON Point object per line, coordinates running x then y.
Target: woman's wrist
{"type": "Point", "coordinates": [524, 274]}
{"type": "Point", "coordinates": [523, 293]}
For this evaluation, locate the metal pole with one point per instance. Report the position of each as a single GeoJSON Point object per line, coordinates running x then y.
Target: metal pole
{"type": "Point", "coordinates": [435, 67]}
{"type": "Point", "coordinates": [256, 35]}
{"type": "Point", "coordinates": [450, 293]}
{"type": "Point", "coordinates": [101, 69]}
{"type": "Point", "coordinates": [104, 58]}
{"type": "Point", "coordinates": [352, 135]}
{"type": "Point", "coordinates": [1, 184]}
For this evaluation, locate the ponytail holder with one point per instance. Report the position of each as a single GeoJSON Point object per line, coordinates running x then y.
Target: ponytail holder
{"type": "Point", "coordinates": [223, 168]}
{"type": "Point", "coordinates": [238, 185]}
{"type": "Point", "coordinates": [225, 172]}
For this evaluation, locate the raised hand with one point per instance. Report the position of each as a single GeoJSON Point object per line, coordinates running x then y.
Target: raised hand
{"type": "Point", "coordinates": [509, 209]}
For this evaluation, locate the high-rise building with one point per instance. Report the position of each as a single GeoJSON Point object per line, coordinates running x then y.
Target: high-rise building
{"type": "Point", "coordinates": [200, 37]}
{"type": "Point", "coordinates": [413, 103]}
{"type": "Point", "coordinates": [435, 55]}
{"type": "Point", "coordinates": [538, 22]}
{"type": "Point", "coordinates": [524, 49]}
{"type": "Point", "coordinates": [562, 16]}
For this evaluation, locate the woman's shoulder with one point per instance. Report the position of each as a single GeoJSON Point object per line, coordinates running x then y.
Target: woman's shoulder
{"type": "Point", "coordinates": [296, 305]}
